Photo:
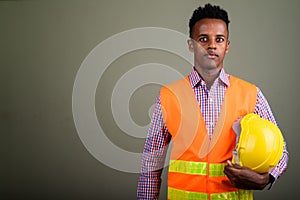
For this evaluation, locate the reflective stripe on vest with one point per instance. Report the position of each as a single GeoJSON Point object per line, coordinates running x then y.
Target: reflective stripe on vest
{"type": "Point", "coordinates": [196, 168]}
{"type": "Point", "coordinates": [176, 194]}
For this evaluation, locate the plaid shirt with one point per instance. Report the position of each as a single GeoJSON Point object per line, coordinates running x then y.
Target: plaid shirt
{"type": "Point", "coordinates": [210, 102]}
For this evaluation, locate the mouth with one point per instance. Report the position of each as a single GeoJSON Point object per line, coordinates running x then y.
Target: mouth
{"type": "Point", "coordinates": [212, 55]}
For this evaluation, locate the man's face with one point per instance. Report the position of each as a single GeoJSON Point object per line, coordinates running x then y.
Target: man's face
{"type": "Point", "coordinates": [209, 43]}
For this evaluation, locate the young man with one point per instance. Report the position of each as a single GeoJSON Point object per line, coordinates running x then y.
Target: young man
{"type": "Point", "coordinates": [197, 113]}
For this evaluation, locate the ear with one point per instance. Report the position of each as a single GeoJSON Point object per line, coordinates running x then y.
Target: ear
{"type": "Point", "coordinates": [190, 45]}
{"type": "Point", "coordinates": [227, 47]}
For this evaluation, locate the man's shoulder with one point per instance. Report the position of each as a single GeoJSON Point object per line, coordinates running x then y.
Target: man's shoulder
{"type": "Point", "coordinates": [239, 81]}
{"type": "Point", "coordinates": [177, 87]}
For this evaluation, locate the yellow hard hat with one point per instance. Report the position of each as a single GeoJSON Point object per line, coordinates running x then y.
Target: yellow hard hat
{"type": "Point", "coordinates": [260, 145]}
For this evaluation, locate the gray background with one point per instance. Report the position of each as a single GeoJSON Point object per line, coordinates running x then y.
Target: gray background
{"type": "Point", "coordinates": [42, 45]}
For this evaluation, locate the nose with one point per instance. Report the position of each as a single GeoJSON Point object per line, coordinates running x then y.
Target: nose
{"type": "Point", "coordinates": [212, 44]}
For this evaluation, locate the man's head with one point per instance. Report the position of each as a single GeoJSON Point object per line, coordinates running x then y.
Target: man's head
{"type": "Point", "coordinates": [209, 38]}
{"type": "Point", "coordinates": [208, 11]}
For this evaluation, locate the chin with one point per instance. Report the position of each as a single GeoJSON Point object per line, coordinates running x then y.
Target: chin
{"type": "Point", "coordinates": [211, 65]}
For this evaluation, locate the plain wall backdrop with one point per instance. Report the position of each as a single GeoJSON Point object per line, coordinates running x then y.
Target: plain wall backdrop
{"type": "Point", "coordinates": [42, 46]}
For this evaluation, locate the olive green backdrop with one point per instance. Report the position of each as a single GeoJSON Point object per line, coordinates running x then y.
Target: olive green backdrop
{"type": "Point", "coordinates": [42, 45]}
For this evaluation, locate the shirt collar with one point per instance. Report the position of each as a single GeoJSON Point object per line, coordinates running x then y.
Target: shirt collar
{"type": "Point", "coordinates": [196, 79]}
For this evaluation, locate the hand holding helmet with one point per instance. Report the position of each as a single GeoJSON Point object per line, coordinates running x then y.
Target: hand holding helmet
{"type": "Point", "coordinates": [260, 145]}
{"type": "Point", "coordinates": [259, 148]}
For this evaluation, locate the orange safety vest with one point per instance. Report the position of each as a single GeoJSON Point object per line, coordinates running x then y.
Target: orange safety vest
{"type": "Point", "coordinates": [197, 162]}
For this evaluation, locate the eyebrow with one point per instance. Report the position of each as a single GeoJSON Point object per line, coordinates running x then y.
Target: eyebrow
{"type": "Point", "coordinates": [218, 35]}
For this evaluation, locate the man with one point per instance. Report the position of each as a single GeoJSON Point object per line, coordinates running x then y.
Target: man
{"type": "Point", "coordinates": [197, 113]}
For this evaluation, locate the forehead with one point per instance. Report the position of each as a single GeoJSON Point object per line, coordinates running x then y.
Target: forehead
{"type": "Point", "coordinates": [210, 26]}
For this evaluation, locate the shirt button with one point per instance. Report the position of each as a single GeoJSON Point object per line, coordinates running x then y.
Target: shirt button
{"type": "Point", "coordinates": [211, 100]}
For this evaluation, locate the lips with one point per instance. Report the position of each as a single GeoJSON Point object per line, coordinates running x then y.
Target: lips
{"type": "Point", "coordinates": [212, 55]}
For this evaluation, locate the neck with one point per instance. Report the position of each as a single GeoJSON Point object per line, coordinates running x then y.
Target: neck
{"type": "Point", "coordinates": [209, 75]}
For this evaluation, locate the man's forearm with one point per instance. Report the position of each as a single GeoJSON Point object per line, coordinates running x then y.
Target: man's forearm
{"type": "Point", "coordinates": [149, 185]}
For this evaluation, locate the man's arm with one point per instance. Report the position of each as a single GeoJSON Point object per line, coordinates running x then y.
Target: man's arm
{"type": "Point", "coordinates": [246, 178]}
{"type": "Point", "coordinates": [263, 109]}
{"type": "Point", "coordinates": [153, 158]}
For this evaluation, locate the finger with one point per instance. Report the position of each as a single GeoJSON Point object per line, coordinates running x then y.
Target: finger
{"type": "Point", "coordinates": [229, 163]}
{"type": "Point", "coordinates": [233, 165]}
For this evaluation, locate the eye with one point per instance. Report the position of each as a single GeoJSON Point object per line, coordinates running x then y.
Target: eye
{"type": "Point", "coordinates": [219, 40]}
{"type": "Point", "coordinates": [203, 39]}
